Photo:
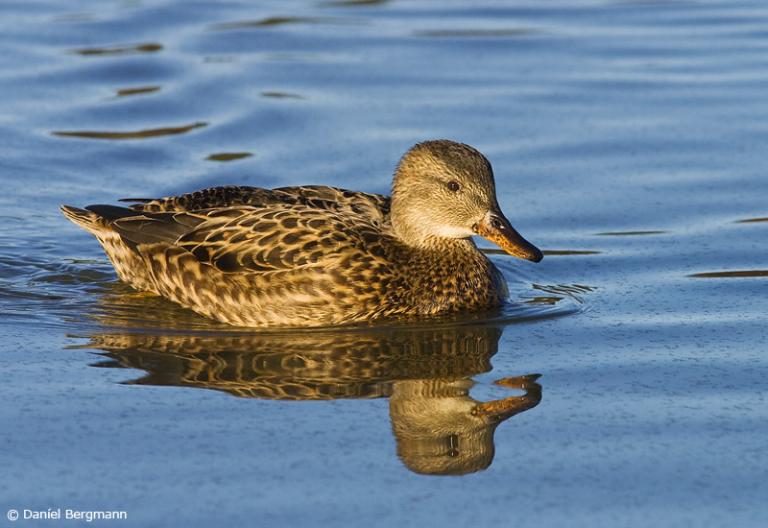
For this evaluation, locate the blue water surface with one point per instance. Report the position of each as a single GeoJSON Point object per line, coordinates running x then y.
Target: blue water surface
{"type": "Point", "coordinates": [628, 141]}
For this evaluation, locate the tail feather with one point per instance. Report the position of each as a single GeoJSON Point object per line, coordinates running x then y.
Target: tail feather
{"type": "Point", "coordinates": [96, 218]}
{"type": "Point", "coordinates": [111, 212]}
{"type": "Point", "coordinates": [99, 220]}
{"type": "Point", "coordinates": [88, 220]}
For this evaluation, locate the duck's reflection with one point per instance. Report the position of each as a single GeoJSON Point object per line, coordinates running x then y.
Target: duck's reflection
{"type": "Point", "coordinates": [441, 430]}
{"type": "Point", "coordinates": [439, 427]}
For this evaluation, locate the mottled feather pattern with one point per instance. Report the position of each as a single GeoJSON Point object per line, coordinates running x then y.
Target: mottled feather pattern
{"type": "Point", "coordinates": [241, 239]}
{"type": "Point", "coordinates": [374, 206]}
{"type": "Point", "coordinates": [303, 256]}
{"type": "Point", "coordinates": [314, 255]}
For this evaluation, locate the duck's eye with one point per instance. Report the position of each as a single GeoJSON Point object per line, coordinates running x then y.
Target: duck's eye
{"type": "Point", "coordinates": [454, 186]}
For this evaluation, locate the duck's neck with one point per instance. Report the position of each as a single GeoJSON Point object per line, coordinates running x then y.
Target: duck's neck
{"type": "Point", "coordinates": [418, 231]}
{"type": "Point", "coordinates": [409, 230]}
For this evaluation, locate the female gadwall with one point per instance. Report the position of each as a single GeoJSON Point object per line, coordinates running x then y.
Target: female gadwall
{"type": "Point", "coordinates": [315, 255]}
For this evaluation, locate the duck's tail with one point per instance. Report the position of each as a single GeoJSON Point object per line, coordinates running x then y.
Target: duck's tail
{"type": "Point", "coordinates": [88, 220]}
{"type": "Point", "coordinates": [95, 218]}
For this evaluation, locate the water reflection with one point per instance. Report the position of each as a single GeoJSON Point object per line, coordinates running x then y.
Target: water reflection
{"type": "Point", "coordinates": [469, 33]}
{"type": "Point", "coordinates": [426, 374]}
{"type": "Point", "coordinates": [630, 233]}
{"type": "Point", "coordinates": [281, 95]}
{"type": "Point", "coordinates": [277, 21]}
{"type": "Point", "coordinates": [730, 274]}
{"type": "Point", "coordinates": [569, 252]}
{"type": "Point", "coordinates": [149, 47]}
{"type": "Point", "coordinates": [228, 156]}
{"type": "Point", "coordinates": [547, 252]}
{"type": "Point", "coordinates": [353, 3]}
{"type": "Point", "coordinates": [124, 92]}
{"type": "Point", "coordinates": [135, 134]}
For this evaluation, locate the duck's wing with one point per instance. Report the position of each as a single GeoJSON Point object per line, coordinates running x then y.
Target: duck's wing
{"type": "Point", "coordinates": [375, 207]}
{"type": "Point", "coordinates": [245, 239]}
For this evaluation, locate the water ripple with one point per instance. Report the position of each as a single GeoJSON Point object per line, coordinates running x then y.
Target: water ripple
{"type": "Point", "coordinates": [149, 47]}
{"type": "Point", "coordinates": [140, 90]}
{"type": "Point", "coordinates": [136, 134]}
{"type": "Point", "coordinates": [228, 156]}
{"type": "Point", "coordinates": [476, 33]}
{"type": "Point", "coordinates": [730, 274]}
{"type": "Point", "coordinates": [278, 21]}
{"type": "Point", "coordinates": [630, 233]}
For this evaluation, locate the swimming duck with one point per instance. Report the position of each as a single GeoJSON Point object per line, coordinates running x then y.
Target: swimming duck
{"type": "Point", "coordinates": [316, 255]}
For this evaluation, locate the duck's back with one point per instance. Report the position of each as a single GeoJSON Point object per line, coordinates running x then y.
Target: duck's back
{"type": "Point", "coordinates": [373, 207]}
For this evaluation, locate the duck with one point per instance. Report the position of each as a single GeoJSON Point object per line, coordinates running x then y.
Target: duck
{"type": "Point", "coordinates": [315, 255]}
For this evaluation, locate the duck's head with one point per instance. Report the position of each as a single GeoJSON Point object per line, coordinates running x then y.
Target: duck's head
{"type": "Point", "coordinates": [443, 189]}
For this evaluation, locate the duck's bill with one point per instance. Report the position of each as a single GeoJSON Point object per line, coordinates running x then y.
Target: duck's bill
{"type": "Point", "coordinates": [496, 228]}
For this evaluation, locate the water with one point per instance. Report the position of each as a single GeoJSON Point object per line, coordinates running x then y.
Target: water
{"type": "Point", "coordinates": [628, 139]}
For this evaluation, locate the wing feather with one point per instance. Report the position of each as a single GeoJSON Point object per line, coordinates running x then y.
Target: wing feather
{"type": "Point", "coordinates": [255, 240]}
{"type": "Point", "coordinates": [156, 227]}
{"type": "Point", "coordinates": [255, 230]}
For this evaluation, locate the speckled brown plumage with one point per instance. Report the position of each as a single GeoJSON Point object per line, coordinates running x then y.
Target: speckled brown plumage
{"type": "Point", "coordinates": [312, 256]}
